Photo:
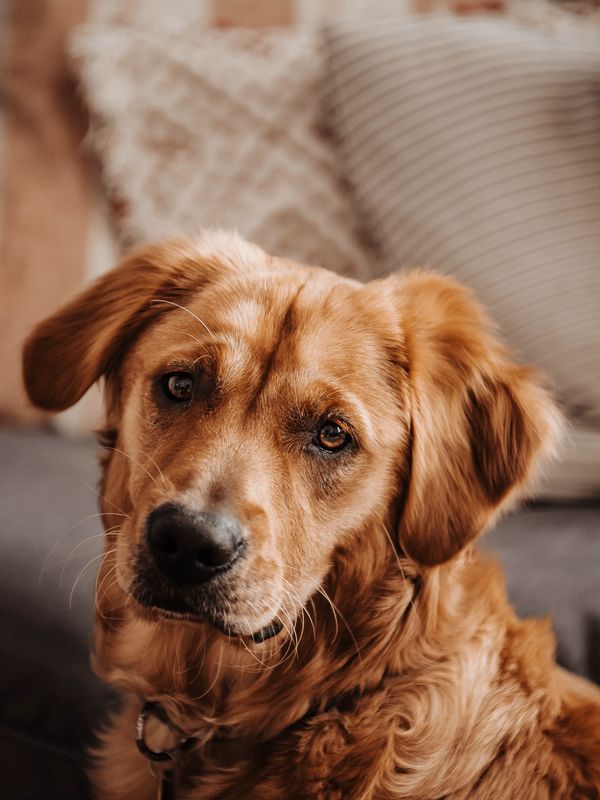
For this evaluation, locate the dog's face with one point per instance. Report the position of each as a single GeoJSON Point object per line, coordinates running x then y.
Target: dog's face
{"type": "Point", "coordinates": [265, 414]}
{"type": "Point", "coordinates": [260, 434]}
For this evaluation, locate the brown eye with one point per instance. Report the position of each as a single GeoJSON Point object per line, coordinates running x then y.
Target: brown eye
{"type": "Point", "coordinates": [178, 386]}
{"type": "Point", "coordinates": [332, 437]}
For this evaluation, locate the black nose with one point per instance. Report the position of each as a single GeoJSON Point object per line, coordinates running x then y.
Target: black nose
{"type": "Point", "coordinates": [191, 547]}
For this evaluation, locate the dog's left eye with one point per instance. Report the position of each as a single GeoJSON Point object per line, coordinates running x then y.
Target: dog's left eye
{"type": "Point", "coordinates": [178, 386]}
{"type": "Point", "coordinates": [332, 437]}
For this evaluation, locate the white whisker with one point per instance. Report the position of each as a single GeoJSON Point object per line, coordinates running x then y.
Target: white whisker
{"type": "Point", "coordinates": [106, 500]}
{"type": "Point", "coordinates": [191, 313]}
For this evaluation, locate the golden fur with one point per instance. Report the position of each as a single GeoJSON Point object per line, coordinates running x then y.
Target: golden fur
{"type": "Point", "coordinates": [401, 670]}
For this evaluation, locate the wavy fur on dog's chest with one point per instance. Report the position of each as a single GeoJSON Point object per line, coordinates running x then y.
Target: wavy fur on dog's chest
{"type": "Point", "coordinates": [481, 713]}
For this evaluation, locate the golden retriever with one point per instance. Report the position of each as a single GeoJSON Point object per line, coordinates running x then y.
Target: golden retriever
{"type": "Point", "coordinates": [296, 468]}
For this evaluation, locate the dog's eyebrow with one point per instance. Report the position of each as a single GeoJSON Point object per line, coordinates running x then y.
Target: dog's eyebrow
{"type": "Point", "coordinates": [187, 311]}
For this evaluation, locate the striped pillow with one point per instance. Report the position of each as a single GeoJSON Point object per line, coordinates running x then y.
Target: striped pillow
{"type": "Point", "coordinates": [473, 146]}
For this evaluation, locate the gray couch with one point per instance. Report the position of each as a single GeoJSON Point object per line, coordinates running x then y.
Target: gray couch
{"type": "Point", "coordinates": [50, 702]}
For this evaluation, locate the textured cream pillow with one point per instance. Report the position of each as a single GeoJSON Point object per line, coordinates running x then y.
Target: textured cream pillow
{"type": "Point", "coordinates": [218, 129]}
{"type": "Point", "coordinates": [473, 146]}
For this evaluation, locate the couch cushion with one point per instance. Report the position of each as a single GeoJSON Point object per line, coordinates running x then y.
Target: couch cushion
{"type": "Point", "coordinates": [551, 559]}
{"type": "Point", "coordinates": [50, 701]}
{"type": "Point", "coordinates": [472, 147]}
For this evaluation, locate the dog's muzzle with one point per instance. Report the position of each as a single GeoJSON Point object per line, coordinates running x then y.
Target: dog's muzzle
{"type": "Point", "coordinates": [179, 568]}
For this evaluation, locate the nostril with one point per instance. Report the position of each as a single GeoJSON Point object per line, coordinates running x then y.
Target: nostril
{"type": "Point", "coordinates": [163, 539]}
{"type": "Point", "coordinates": [167, 543]}
{"type": "Point", "coordinates": [216, 555]}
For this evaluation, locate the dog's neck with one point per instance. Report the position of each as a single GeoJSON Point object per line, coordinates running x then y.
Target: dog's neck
{"type": "Point", "coordinates": [217, 687]}
{"type": "Point", "coordinates": [440, 662]}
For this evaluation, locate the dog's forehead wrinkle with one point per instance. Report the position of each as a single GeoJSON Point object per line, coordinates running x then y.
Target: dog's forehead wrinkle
{"type": "Point", "coordinates": [281, 339]}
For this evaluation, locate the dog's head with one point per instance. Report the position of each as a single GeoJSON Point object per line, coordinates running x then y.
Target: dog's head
{"type": "Point", "coordinates": [263, 415]}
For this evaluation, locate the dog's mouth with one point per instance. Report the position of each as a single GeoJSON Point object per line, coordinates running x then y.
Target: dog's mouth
{"type": "Point", "coordinates": [211, 603]}
{"type": "Point", "coordinates": [173, 608]}
{"type": "Point", "coordinates": [270, 630]}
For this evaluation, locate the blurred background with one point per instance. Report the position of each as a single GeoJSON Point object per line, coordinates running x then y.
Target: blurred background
{"type": "Point", "coordinates": [361, 135]}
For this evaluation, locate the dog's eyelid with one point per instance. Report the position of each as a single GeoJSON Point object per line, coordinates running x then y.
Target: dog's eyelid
{"type": "Point", "coordinates": [106, 437]}
{"type": "Point", "coordinates": [355, 421]}
{"type": "Point", "coordinates": [332, 400]}
{"type": "Point", "coordinates": [193, 367]}
{"type": "Point", "coordinates": [177, 366]}
{"type": "Point", "coordinates": [341, 420]}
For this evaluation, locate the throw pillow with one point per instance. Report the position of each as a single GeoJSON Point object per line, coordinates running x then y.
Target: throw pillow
{"type": "Point", "coordinates": [218, 129]}
{"type": "Point", "coordinates": [472, 147]}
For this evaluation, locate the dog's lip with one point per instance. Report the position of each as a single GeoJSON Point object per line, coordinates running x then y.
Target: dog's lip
{"type": "Point", "coordinates": [181, 613]}
{"type": "Point", "coordinates": [179, 610]}
{"type": "Point", "coordinates": [173, 606]}
{"type": "Point", "coordinates": [270, 630]}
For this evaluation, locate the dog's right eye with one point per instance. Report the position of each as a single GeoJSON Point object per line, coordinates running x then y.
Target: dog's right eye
{"type": "Point", "coordinates": [178, 386]}
{"type": "Point", "coordinates": [332, 437]}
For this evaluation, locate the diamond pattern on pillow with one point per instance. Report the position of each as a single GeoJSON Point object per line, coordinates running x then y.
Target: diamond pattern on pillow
{"type": "Point", "coordinates": [220, 129]}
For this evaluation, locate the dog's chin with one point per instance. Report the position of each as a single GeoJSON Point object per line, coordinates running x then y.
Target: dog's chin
{"type": "Point", "coordinates": [177, 610]}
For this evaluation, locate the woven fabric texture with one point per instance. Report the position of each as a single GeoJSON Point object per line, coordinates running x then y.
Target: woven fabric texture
{"type": "Point", "coordinates": [472, 147]}
{"type": "Point", "coordinates": [221, 129]}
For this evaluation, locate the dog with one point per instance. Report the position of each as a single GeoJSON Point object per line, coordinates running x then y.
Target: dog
{"type": "Point", "coordinates": [296, 467]}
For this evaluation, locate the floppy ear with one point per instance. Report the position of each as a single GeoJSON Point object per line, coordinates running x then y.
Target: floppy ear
{"type": "Point", "coordinates": [478, 421]}
{"type": "Point", "coordinates": [70, 350]}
